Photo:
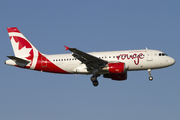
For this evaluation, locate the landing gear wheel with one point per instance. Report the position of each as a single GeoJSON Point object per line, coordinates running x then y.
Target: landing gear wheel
{"type": "Point", "coordinates": [150, 78]}
{"type": "Point", "coordinates": [93, 78]}
{"type": "Point", "coordinates": [95, 83]}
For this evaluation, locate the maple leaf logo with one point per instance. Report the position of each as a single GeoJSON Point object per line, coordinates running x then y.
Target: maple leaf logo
{"type": "Point", "coordinates": [22, 51]}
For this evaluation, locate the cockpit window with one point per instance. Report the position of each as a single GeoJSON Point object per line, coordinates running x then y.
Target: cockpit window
{"type": "Point", "coordinates": [163, 54]}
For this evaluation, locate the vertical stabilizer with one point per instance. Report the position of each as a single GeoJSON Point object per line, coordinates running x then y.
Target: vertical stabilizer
{"type": "Point", "coordinates": [21, 45]}
{"type": "Point", "coordinates": [22, 48]}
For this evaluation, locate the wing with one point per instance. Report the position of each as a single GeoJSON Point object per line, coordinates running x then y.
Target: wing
{"type": "Point", "coordinates": [91, 61]}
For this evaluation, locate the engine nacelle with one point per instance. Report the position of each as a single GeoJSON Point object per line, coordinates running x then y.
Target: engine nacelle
{"type": "Point", "coordinates": [118, 77]}
{"type": "Point", "coordinates": [115, 68]}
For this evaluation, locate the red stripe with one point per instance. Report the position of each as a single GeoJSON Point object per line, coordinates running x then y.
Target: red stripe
{"type": "Point", "coordinates": [50, 66]}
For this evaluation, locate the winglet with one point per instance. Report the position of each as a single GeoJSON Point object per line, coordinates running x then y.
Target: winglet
{"type": "Point", "coordinates": [67, 48]}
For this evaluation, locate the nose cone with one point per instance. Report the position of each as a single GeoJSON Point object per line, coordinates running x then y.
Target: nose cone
{"type": "Point", "coordinates": [171, 61]}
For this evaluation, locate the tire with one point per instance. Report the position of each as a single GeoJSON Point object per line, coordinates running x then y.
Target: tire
{"type": "Point", "coordinates": [150, 78]}
{"type": "Point", "coordinates": [93, 79]}
{"type": "Point", "coordinates": [95, 83]}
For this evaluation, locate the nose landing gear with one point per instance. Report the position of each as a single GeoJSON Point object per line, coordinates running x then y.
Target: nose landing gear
{"type": "Point", "coordinates": [150, 77]}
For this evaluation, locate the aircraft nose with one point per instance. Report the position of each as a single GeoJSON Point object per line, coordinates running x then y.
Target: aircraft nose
{"type": "Point", "coordinates": [172, 61]}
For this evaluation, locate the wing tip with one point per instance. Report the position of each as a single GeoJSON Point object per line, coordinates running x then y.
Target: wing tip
{"type": "Point", "coordinates": [67, 48]}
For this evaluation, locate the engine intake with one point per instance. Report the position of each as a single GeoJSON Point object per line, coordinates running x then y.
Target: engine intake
{"type": "Point", "coordinates": [115, 68]}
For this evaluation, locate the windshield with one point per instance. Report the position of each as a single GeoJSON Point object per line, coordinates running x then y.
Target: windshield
{"type": "Point", "coordinates": [163, 54]}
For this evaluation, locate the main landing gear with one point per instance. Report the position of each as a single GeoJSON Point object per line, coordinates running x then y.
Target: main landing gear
{"type": "Point", "coordinates": [150, 77]}
{"type": "Point", "coordinates": [94, 80]}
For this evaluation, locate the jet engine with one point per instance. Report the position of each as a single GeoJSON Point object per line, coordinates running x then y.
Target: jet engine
{"type": "Point", "coordinates": [117, 71]}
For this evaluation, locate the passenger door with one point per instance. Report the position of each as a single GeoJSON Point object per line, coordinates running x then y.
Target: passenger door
{"type": "Point", "coordinates": [149, 55]}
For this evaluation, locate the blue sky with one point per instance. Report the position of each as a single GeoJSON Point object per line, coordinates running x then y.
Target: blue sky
{"type": "Point", "coordinates": [90, 26]}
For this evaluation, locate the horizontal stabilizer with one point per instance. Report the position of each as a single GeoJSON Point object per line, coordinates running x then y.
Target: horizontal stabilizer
{"type": "Point", "coordinates": [19, 61]}
{"type": "Point", "coordinates": [16, 59]}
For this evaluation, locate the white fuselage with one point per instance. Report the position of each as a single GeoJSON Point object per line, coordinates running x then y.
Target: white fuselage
{"type": "Point", "coordinates": [133, 59]}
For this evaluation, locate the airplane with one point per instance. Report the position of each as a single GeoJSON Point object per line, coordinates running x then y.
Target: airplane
{"type": "Point", "coordinates": [110, 64]}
